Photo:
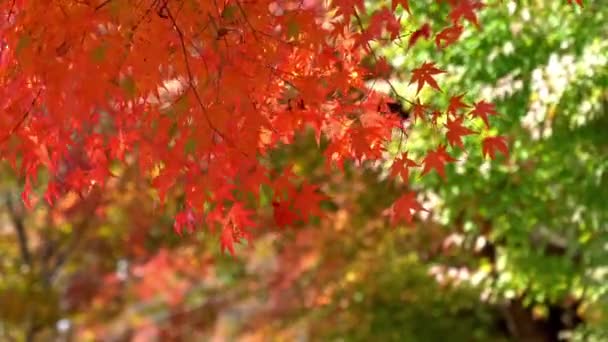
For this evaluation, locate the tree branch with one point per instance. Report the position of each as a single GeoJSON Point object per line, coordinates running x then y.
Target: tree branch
{"type": "Point", "coordinates": [17, 221]}
{"type": "Point", "coordinates": [98, 7]}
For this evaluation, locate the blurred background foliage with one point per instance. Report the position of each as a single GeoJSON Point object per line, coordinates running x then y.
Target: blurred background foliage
{"type": "Point", "coordinates": [511, 250]}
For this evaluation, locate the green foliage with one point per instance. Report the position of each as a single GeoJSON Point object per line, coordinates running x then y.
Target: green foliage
{"type": "Point", "coordinates": [544, 210]}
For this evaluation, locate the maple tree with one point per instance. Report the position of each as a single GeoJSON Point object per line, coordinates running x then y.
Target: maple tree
{"type": "Point", "coordinates": [116, 274]}
{"type": "Point", "coordinates": [196, 94]}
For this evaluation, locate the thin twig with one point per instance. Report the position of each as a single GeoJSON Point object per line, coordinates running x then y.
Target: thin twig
{"type": "Point", "coordinates": [376, 59]}
{"type": "Point", "coordinates": [395, 92]}
{"type": "Point", "coordinates": [98, 7]}
{"type": "Point", "coordinates": [191, 80]}
{"type": "Point", "coordinates": [10, 11]}
{"type": "Point", "coordinates": [20, 122]}
{"type": "Point", "coordinates": [253, 30]}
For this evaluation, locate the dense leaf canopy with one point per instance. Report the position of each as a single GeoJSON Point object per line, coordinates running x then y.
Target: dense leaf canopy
{"type": "Point", "coordinates": [197, 93]}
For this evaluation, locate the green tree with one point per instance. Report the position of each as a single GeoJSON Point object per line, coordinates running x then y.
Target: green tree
{"type": "Point", "coordinates": [533, 224]}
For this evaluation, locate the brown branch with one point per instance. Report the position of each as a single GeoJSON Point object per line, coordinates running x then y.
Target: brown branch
{"type": "Point", "coordinates": [78, 236]}
{"type": "Point", "coordinates": [98, 7]}
{"type": "Point", "coordinates": [63, 255]}
{"type": "Point", "coordinates": [10, 11]}
{"type": "Point", "coordinates": [17, 222]}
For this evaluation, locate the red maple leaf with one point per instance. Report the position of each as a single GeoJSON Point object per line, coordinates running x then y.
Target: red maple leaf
{"type": "Point", "coordinates": [383, 18]}
{"type": "Point", "coordinates": [366, 142]}
{"type": "Point", "coordinates": [227, 240]}
{"type": "Point", "coordinates": [579, 2]}
{"type": "Point", "coordinates": [382, 69]}
{"type": "Point", "coordinates": [492, 144]}
{"type": "Point", "coordinates": [482, 109]}
{"type": "Point", "coordinates": [401, 167]}
{"type": "Point", "coordinates": [240, 216]}
{"type": "Point", "coordinates": [184, 218]}
{"type": "Point", "coordinates": [404, 208]}
{"type": "Point", "coordinates": [448, 36]}
{"type": "Point", "coordinates": [423, 32]}
{"type": "Point", "coordinates": [235, 227]}
{"type": "Point", "coordinates": [404, 3]}
{"type": "Point", "coordinates": [436, 160]}
{"type": "Point", "coordinates": [435, 116]}
{"type": "Point", "coordinates": [466, 9]}
{"type": "Point", "coordinates": [419, 110]}
{"type": "Point", "coordinates": [348, 8]}
{"type": "Point", "coordinates": [456, 104]}
{"type": "Point", "coordinates": [307, 201]}
{"type": "Point", "coordinates": [456, 131]}
{"type": "Point", "coordinates": [283, 214]}
{"type": "Point", "coordinates": [424, 75]}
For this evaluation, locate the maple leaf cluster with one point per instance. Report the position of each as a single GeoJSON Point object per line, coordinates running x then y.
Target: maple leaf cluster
{"type": "Point", "coordinates": [197, 93]}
